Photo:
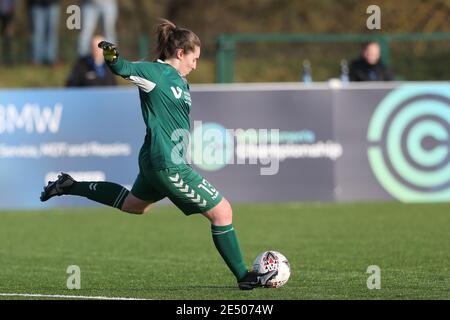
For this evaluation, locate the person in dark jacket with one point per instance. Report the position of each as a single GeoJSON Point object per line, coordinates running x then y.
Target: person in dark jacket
{"type": "Point", "coordinates": [369, 67]}
{"type": "Point", "coordinates": [91, 70]}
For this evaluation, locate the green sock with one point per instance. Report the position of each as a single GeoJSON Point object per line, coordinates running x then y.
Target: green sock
{"type": "Point", "coordinates": [228, 246]}
{"type": "Point", "coordinates": [108, 193]}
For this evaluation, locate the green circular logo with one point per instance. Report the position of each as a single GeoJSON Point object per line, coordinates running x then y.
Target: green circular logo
{"type": "Point", "coordinates": [212, 147]}
{"type": "Point", "coordinates": [409, 143]}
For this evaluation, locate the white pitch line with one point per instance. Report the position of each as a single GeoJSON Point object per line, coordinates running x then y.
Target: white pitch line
{"type": "Point", "coordinates": [30, 295]}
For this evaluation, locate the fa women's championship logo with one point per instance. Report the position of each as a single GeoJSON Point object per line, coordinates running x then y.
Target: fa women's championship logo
{"type": "Point", "coordinates": [409, 143]}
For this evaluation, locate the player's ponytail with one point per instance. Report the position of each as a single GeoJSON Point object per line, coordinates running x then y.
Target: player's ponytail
{"type": "Point", "coordinates": [171, 38]}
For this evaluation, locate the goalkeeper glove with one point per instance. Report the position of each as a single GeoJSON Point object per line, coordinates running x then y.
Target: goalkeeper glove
{"type": "Point", "coordinates": [110, 52]}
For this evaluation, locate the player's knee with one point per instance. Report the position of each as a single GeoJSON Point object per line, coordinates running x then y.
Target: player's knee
{"type": "Point", "coordinates": [227, 213]}
{"type": "Point", "coordinates": [222, 214]}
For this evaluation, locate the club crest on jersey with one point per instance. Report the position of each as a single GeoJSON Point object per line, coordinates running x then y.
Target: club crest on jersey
{"type": "Point", "coordinates": [177, 92]}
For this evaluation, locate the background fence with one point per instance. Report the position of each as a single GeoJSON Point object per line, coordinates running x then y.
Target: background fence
{"type": "Point", "coordinates": [237, 50]}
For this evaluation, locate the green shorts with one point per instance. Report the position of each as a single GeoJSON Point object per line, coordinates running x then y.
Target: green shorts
{"type": "Point", "coordinates": [186, 188]}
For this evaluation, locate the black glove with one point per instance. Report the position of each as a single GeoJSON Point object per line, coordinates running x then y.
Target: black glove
{"type": "Point", "coordinates": [110, 52]}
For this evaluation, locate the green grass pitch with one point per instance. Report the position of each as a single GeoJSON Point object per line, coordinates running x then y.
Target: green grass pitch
{"type": "Point", "coordinates": [165, 255]}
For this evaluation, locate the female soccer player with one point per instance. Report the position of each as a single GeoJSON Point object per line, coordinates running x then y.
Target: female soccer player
{"type": "Point", "coordinates": [163, 172]}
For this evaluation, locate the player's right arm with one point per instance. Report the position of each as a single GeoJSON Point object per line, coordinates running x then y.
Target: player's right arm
{"type": "Point", "coordinates": [137, 72]}
{"type": "Point", "coordinates": [117, 64]}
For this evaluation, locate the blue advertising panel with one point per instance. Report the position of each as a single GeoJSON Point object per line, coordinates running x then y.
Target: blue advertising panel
{"type": "Point", "coordinates": [90, 134]}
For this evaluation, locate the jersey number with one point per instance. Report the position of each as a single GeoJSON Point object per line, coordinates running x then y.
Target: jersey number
{"type": "Point", "coordinates": [205, 185]}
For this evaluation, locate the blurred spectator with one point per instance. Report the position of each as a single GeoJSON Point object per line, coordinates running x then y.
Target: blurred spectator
{"type": "Point", "coordinates": [7, 8]}
{"type": "Point", "coordinates": [91, 11]}
{"type": "Point", "coordinates": [91, 70]}
{"type": "Point", "coordinates": [45, 21]}
{"type": "Point", "coordinates": [369, 67]}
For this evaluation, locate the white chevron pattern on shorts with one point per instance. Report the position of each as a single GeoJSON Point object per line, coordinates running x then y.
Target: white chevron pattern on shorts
{"type": "Point", "coordinates": [93, 186]}
{"type": "Point", "coordinates": [184, 188]}
{"type": "Point", "coordinates": [196, 200]}
{"type": "Point", "coordinates": [191, 195]}
{"type": "Point", "coordinates": [179, 184]}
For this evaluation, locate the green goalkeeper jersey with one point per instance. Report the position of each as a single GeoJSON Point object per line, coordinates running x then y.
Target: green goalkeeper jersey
{"type": "Point", "coordinates": [165, 104]}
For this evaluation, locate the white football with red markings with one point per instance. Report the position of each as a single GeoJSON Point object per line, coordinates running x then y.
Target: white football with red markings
{"type": "Point", "coordinates": [273, 260]}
